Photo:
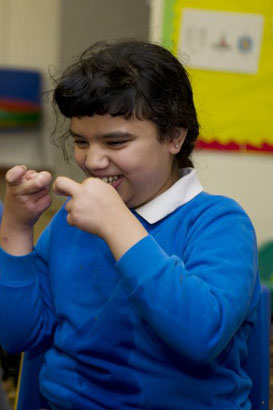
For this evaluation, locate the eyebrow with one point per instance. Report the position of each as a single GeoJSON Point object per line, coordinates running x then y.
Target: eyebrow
{"type": "Point", "coordinates": [108, 135]}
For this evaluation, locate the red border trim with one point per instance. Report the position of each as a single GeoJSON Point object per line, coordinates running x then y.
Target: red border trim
{"type": "Point", "coordinates": [232, 146]}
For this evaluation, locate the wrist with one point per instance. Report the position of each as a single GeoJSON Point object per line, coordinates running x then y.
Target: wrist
{"type": "Point", "coordinates": [11, 225]}
{"type": "Point", "coordinates": [123, 233]}
{"type": "Point", "coordinates": [16, 239]}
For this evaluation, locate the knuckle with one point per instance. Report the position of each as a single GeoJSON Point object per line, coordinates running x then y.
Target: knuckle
{"type": "Point", "coordinates": [23, 199]}
{"type": "Point", "coordinates": [8, 176]}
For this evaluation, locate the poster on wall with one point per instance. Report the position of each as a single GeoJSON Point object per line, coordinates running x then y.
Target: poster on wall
{"type": "Point", "coordinates": [227, 50]}
{"type": "Point", "coordinates": [221, 41]}
{"type": "Point", "coordinates": [20, 100]}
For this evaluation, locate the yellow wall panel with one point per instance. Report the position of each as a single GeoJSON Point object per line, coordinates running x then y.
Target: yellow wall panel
{"type": "Point", "coordinates": [235, 109]}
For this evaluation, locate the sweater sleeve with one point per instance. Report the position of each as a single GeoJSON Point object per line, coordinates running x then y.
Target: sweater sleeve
{"type": "Point", "coordinates": [27, 312]}
{"type": "Point", "coordinates": [196, 302]}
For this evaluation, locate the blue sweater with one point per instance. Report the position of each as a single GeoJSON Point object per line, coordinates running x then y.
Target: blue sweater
{"type": "Point", "coordinates": [165, 327]}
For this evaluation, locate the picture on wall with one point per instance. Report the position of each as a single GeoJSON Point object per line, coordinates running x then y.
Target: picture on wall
{"type": "Point", "coordinates": [20, 100]}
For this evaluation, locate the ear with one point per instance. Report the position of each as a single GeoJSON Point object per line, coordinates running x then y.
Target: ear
{"type": "Point", "coordinates": [177, 139]}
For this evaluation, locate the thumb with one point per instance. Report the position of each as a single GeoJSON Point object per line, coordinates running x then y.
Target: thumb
{"type": "Point", "coordinates": [65, 186]}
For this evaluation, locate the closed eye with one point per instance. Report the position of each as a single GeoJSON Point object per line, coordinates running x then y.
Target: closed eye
{"type": "Point", "coordinates": [116, 143]}
{"type": "Point", "coordinates": [80, 143]}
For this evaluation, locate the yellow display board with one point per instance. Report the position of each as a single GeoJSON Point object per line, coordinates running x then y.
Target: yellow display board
{"type": "Point", "coordinates": [235, 109]}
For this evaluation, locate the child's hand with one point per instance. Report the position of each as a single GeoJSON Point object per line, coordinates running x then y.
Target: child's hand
{"type": "Point", "coordinates": [26, 196]}
{"type": "Point", "coordinates": [97, 208]}
{"type": "Point", "coordinates": [26, 199]}
{"type": "Point", "coordinates": [93, 203]}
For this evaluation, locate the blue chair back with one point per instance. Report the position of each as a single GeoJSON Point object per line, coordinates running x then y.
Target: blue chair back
{"type": "Point", "coordinates": [258, 361]}
{"type": "Point", "coordinates": [28, 396]}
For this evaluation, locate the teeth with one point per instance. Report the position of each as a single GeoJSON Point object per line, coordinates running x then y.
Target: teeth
{"type": "Point", "coordinates": [110, 179]}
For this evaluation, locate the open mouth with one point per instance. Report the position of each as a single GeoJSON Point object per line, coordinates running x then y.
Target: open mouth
{"type": "Point", "coordinates": [111, 179]}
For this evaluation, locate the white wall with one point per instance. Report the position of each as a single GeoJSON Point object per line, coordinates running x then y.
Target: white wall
{"type": "Point", "coordinates": [29, 38]}
{"type": "Point", "coordinates": [245, 177]}
{"type": "Point", "coordinates": [31, 33]}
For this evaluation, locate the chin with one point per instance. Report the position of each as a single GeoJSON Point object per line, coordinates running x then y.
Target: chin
{"type": "Point", "coordinates": [129, 203]}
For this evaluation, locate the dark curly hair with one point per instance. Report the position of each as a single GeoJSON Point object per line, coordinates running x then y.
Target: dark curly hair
{"type": "Point", "coordinates": [127, 78]}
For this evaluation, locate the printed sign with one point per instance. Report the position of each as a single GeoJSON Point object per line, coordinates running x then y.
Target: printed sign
{"type": "Point", "coordinates": [223, 41]}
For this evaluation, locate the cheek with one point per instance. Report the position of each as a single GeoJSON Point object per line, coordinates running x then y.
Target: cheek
{"type": "Point", "coordinates": [79, 158]}
{"type": "Point", "coordinates": [124, 161]}
{"type": "Point", "coordinates": [141, 163]}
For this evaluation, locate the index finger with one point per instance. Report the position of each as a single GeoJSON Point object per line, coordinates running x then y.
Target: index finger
{"type": "Point", "coordinates": [15, 175]}
{"type": "Point", "coordinates": [65, 186]}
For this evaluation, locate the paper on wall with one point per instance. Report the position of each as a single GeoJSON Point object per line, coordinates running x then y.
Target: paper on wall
{"type": "Point", "coordinates": [223, 41]}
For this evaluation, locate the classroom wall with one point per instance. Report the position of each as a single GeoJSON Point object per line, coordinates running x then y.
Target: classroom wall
{"type": "Point", "coordinates": [43, 34]}
{"type": "Point", "coordinates": [48, 35]}
{"type": "Point", "coordinates": [29, 38]}
{"type": "Point", "coordinates": [245, 177]}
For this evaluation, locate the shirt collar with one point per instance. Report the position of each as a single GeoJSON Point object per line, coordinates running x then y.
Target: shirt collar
{"type": "Point", "coordinates": [184, 190]}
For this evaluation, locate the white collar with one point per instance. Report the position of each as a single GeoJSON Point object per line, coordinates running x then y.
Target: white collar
{"type": "Point", "coordinates": [185, 189]}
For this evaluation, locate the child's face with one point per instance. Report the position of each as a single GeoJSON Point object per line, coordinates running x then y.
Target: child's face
{"type": "Point", "coordinates": [126, 151]}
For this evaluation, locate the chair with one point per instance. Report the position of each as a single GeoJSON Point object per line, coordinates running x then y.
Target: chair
{"type": "Point", "coordinates": [258, 361]}
{"type": "Point", "coordinates": [265, 257]}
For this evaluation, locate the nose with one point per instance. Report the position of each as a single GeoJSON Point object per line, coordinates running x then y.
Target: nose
{"type": "Point", "coordinates": [96, 158]}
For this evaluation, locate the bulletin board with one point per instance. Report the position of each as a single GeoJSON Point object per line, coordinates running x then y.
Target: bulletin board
{"type": "Point", "coordinates": [20, 100]}
{"type": "Point", "coordinates": [235, 109]}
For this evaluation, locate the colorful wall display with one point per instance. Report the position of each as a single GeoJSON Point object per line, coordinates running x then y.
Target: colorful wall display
{"type": "Point", "coordinates": [20, 99]}
{"type": "Point", "coordinates": [227, 48]}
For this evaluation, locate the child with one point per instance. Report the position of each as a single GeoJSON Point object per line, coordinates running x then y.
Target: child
{"type": "Point", "coordinates": [147, 285]}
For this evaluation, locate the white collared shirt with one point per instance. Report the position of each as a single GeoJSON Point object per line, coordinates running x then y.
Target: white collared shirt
{"type": "Point", "coordinates": [185, 189]}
